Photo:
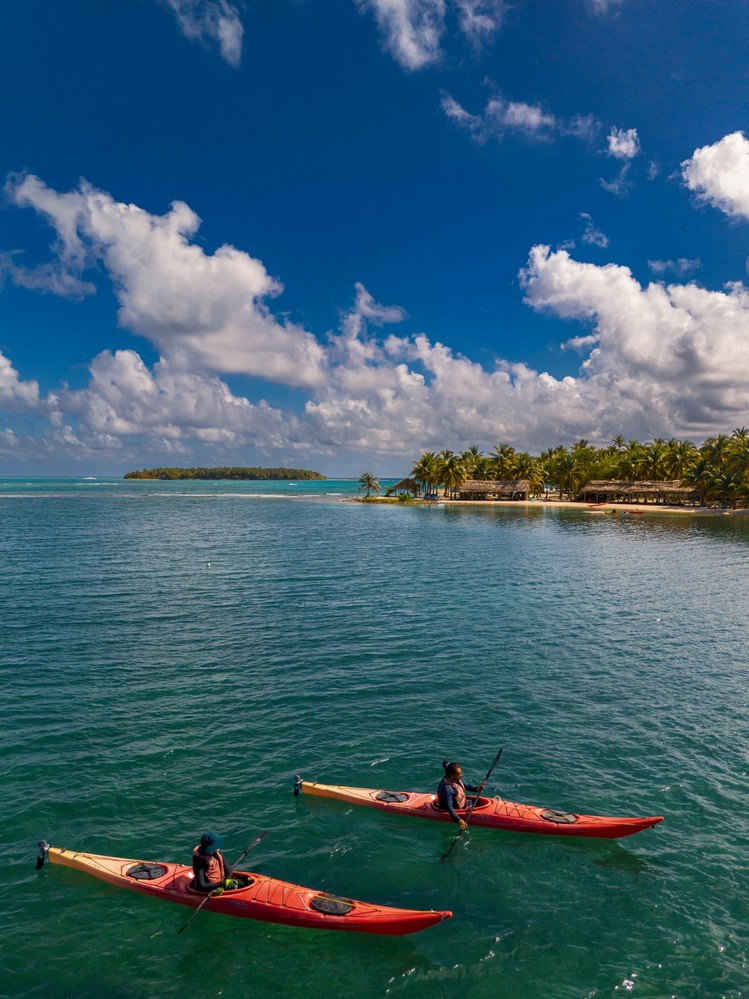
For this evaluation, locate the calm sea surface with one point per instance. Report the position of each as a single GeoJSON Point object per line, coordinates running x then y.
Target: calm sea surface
{"type": "Point", "coordinates": [173, 653]}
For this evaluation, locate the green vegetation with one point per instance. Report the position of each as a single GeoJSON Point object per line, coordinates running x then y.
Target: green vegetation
{"type": "Point", "coordinates": [224, 473]}
{"type": "Point", "coordinates": [370, 483]}
{"type": "Point", "coordinates": [718, 470]}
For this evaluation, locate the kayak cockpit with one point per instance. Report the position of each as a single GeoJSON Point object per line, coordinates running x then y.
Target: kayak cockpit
{"type": "Point", "coordinates": [244, 881]}
{"type": "Point", "coordinates": [481, 804]}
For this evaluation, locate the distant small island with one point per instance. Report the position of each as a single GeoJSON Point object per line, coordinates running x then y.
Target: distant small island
{"type": "Point", "coordinates": [224, 473]}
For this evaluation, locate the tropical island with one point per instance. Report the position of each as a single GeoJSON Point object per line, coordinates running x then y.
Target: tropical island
{"type": "Point", "coordinates": [237, 473]}
{"type": "Point", "coordinates": [674, 473]}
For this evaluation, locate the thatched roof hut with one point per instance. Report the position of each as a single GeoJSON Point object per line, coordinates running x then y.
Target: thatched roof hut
{"type": "Point", "coordinates": [487, 489]}
{"type": "Point", "coordinates": [406, 486]}
{"type": "Point", "coordinates": [618, 491]}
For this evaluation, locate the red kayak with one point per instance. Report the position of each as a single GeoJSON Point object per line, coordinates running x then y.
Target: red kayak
{"type": "Point", "coordinates": [261, 897]}
{"type": "Point", "coordinates": [493, 813]}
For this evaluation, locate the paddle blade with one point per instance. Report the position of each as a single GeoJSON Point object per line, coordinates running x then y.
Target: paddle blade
{"type": "Point", "coordinates": [446, 856]}
{"type": "Point", "coordinates": [297, 785]}
{"type": "Point", "coordinates": [42, 855]}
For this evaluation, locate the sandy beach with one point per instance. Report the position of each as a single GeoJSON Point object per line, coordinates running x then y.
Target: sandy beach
{"type": "Point", "coordinates": [610, 509]}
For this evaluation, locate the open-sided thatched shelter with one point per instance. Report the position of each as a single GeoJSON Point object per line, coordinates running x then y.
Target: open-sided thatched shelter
{"type": "Point", "coordinates": [487, 489]}
{"type": "Point", "coordinates": [406, 486]}
{"type": "Point", "coordinates": [616, 491]}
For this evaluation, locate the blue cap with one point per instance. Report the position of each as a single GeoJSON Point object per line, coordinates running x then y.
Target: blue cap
{"type": "Point", "coordinates": [210, 842]}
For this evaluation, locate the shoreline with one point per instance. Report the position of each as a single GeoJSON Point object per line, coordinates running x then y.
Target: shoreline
{"type": "Point", "coordinates": [610, 509]}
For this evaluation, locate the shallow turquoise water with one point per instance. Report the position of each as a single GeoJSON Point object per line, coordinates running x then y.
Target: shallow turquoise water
{"type": "Point", "coordinates": [173, 653]}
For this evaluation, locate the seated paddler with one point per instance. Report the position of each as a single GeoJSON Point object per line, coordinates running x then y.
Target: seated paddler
{"type": "Point", "coordinates": [212, 873]}
{"type": "Point", "coordinates": [452, 792]}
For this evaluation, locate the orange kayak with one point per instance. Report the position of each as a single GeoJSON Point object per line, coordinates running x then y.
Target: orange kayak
{"type": "Point", "coordinates": [493, 813]}
{"type": "Point", "coordinates": [263, 898]}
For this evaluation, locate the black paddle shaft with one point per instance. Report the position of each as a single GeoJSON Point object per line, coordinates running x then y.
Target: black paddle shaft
{"type": "Point", "coordinates": [491, 768]}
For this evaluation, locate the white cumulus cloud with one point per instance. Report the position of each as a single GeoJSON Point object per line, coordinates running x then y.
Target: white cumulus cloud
{"type": "Point", "coordinates": [623, 143]}
{"type": "Point", "coordinates": [656, 360]}
{"type": "Point", "coordinates": [719, 174]}
{"type": "Point", "coordinates": [678, 354]}
{"type": "Point", "coordinates": [198, 309]}
{"type": "Point", "coordinates": [124, 398]}
{"type": "Point", "coordinates": [15, 393]}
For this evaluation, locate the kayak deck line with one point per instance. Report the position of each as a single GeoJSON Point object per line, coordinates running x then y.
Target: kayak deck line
{"type": "Point", "coordinates": [491, 813]}
{"type": "Point", "coordinates": [259, 897]}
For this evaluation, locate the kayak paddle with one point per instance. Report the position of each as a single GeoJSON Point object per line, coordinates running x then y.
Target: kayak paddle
{"type": "Point", "coordinates": [473, 803]}
{"type": "Point", "coordinates": [43, 847]}
{"type": "Point", "coordinates": [239, 860]}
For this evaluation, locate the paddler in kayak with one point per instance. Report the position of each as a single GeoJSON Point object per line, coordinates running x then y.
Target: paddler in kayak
{"type": "Point", "coordinates": [451, 794]}
{"type": "Point", "coordinates": [212, 873]}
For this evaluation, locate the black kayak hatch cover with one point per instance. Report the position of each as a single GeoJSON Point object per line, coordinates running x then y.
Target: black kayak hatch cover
{"type": "Point", "coordinates": [147, 872]}
{"type": "Point", "coordinates": [331, 905]}
{"type": "Point", "coordinates": [562, 818]}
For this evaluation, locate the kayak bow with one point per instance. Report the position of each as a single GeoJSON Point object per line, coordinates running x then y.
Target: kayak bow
{"type": "Point", "coordinates": [492, 813]}
{"type": "Point", "coordinates": [263, 897]}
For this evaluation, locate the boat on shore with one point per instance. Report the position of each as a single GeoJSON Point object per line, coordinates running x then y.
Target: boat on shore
{"type": "Point", "coordinates": [259, 896]}
{"type": "Point", "coordinates": [490, 813]}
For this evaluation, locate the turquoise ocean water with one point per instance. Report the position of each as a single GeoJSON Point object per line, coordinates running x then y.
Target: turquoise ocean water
{"type": "Point", "coordinates": [173, 653]}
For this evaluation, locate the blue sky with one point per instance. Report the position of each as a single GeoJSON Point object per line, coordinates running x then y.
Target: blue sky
{"type": "Point", "coordinates": [335, 234]}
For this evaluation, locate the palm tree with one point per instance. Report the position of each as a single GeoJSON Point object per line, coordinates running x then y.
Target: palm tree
{"type": "Point", "coordinates": [679, 457]}
{"type": "Point", "coordinates": [370, 483]}
{"type": "Point", "coordinates": [727, 487]}
{"type": "Point", "coordinates": [527, 467]}
{"type": "Point", "coordinates": [738, 458]}
{"type": "Point", "coordinates": [473, 460]}
{"type": "Point", "coordinates": [585, 460]}
{"type": "Point", "coordinates": [503, 461]}
{"type": "Point", "coordinates": [700, 475]}
{"type": "Point", "coordinates": [442, 459]}
{"type": "Point", "coordinates": [550, 461]}
{"type": "Point", "coordinates": [426, 471]}
{"type": "Point", "coordinates": [631, 461]}
{"type": "Point", "coordinates": [654, 460]}
{"type": "Point", "coordinates": [453, 472]}
{"type": "Point", "coordinates": [568, 475]}
{"type": "Point", "coordinates": [716, 448]}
